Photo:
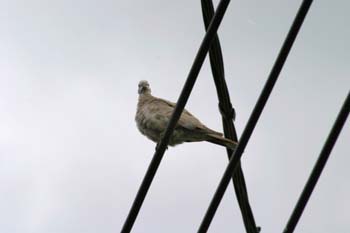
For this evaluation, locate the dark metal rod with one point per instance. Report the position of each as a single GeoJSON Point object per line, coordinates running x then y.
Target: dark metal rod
{"type": "Point", "coordinates": [228, 114]}
{"type": "Point", "coordinates": [254, 117]}
{"type": "Point", "coordinates": [185, 93]}
{"type": "Point", "coordinates": [318, 168]}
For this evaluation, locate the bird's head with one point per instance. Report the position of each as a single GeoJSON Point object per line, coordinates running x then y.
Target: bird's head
{"type": "Point", "coordinates": [144, 87]}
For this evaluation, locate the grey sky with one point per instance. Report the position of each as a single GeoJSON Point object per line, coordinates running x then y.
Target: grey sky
{"type": "Point", "coordinates": [71, 158]}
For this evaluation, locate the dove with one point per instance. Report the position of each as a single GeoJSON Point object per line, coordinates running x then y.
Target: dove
{"type": "Point", "coordinates": [153, 115]}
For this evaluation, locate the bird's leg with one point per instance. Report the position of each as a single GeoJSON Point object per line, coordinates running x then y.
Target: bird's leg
{"type": "Point", "coordinates": [157, 146]}
{"type": "Point", "coordinates": [160, 138]}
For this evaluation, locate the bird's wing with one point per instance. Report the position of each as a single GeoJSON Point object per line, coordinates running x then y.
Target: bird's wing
{"type": "Point", "coordinates": [187, 120]}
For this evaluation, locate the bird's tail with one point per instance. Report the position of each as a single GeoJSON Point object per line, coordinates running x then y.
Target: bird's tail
{"type": "Point", "coordinates": [217, 139]}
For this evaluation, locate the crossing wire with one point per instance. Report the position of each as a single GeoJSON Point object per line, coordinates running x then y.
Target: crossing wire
{"type": "Point", "coordinates": [254, 117]}
{"type": "Point", "coordinates": [228, 115]}
{"type": "Point", "coordinates": [185, 93]}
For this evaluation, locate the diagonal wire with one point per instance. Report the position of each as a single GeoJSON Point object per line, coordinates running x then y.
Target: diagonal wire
{"type": "Point", "coordinates": [254, 117]}
{"type": "Point", "coordinates": [185, 93]}
{"type": "Point", "coordinates": [228, 115]}
{"type": "Point", "coordinates": [320, 164]}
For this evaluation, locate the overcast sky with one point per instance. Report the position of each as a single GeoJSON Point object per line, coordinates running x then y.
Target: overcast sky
{"type": "Point", "coordinates": [72, 160]}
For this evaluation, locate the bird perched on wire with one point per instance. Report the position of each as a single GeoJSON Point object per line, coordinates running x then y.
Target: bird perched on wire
{"type": "Point", "coordinates": [153, 115]}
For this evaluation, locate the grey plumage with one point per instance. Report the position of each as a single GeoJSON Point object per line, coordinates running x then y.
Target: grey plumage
{"type": "Point", "coordinates": [153, 114]}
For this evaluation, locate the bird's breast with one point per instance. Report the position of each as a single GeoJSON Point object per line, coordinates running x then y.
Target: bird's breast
{"type": "Point", "coordinates": [150, 123]}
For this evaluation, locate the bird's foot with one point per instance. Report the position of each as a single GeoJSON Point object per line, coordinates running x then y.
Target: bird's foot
{"type": "Point", "coordinates": [157, 146]}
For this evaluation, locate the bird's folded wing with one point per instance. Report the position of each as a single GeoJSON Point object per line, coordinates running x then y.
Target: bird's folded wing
{"type": "Point", "coordinates": [187, 120]}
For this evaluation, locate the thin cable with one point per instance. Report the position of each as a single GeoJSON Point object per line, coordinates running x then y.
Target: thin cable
{"type": "Point", "coordinates": [228, 115]}
{"type": "Point", "coordinates": [185, 93]}
{"type": "Point", "coordinates": [254, 117]}
{"type": "Point", "coordinates": [318, 168]}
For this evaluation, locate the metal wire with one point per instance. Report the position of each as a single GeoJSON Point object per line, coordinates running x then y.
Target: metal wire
{"type": "Point", "coordinates": [318, 168]}
{"type": "Point", "coordinates": [228, 115]}
{"type": "Point", "coordinates": [254, 117]}
{"type": "Point", "coordinates": [161, 147]}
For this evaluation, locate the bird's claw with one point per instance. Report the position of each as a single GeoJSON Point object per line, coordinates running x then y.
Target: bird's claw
{"type": "Point", "coordinates": [157, 146]}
